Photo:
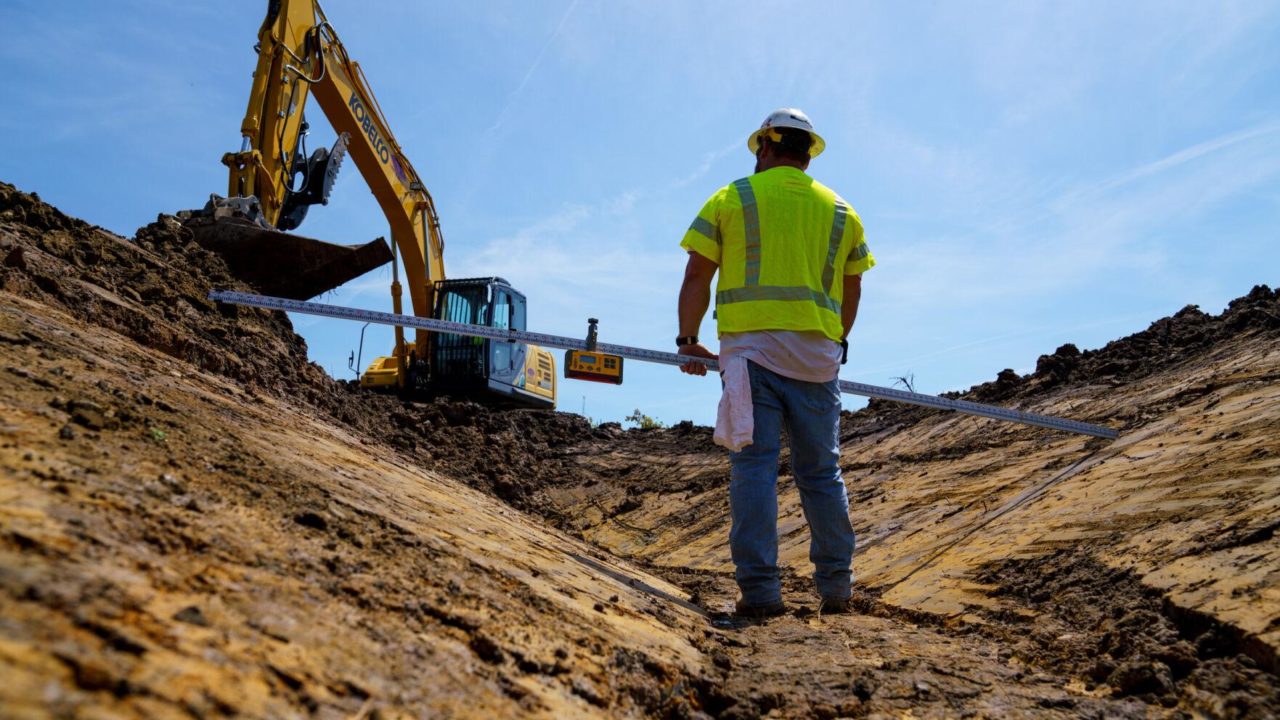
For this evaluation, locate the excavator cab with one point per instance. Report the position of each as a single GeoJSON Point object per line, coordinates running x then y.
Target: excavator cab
{"type": "Point", "coordinates": [512, 371]}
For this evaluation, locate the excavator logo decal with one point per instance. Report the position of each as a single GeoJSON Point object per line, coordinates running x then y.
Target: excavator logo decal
{"type": "Point", "coordinates": [370, 130]}
{"type": "Point", "coordinates": [395, 165]}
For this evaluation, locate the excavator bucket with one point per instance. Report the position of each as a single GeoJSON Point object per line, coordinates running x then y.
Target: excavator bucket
{"type": "Point", "coordinates": [282, 264]}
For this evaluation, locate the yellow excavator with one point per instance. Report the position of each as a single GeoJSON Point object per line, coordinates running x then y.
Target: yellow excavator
{"type": "Point", "coordinates": [273, 182]}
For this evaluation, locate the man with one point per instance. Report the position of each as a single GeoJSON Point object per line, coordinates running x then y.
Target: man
{"type": "Point", "coordinates": [790, 257]}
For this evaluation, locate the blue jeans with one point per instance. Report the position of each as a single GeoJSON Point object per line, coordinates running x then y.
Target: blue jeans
{"type": "Point", "coordinates": [811, 414]}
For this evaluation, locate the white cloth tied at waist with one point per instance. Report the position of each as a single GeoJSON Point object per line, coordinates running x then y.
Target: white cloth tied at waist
{"type": "Point", "coordinates": [806, 356]}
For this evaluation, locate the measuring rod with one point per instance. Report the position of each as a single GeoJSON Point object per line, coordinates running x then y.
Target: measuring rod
{"type": "Point", "coordinates": [653, 356]}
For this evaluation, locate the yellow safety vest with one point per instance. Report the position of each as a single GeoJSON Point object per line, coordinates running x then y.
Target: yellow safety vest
{"type": "Point", "coordinates": [784, 243]}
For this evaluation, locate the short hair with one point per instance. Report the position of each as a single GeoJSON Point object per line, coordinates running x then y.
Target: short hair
{"type": "Point", "coordinates": [793, 144]}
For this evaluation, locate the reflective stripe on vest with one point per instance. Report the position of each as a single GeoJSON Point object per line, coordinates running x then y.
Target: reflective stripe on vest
{"type": "Point", "coordinates": [860, 252]}
{"type": "Point", "coordinates": [837, 234]}
{"type": "Point", "coordinates": [750, 228]}
{"type": "Point", "coordinates": [703, 227]}
{"type": "Point", "coordinates": [776, 292]}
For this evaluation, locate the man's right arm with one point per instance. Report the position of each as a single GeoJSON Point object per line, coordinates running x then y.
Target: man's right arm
{"type": "Point", "coordinates": [695, 298]}
{"type": "Point", "coordinates": [702, 241]}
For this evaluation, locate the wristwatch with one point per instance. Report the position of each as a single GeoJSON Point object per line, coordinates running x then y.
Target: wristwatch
{"type": "Point", "coordinates": [686, 340]}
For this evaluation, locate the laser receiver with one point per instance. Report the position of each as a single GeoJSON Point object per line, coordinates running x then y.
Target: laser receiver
{"type": "Point", "coordinates": [590, 364]}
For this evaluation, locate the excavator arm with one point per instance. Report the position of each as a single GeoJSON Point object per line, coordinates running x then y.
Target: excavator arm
{"type": "Point", "coordinates": [299, 54]}
{"type": "Point", "coordinates": [273, 182]}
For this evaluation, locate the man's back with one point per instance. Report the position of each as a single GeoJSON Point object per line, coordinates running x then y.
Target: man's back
{"type": "Point", "coordinates": [782, 241]}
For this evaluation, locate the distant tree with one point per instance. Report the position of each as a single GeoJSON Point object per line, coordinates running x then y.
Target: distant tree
{"type": "Point", "coordinates": [642, 421]}
{"type": "Point", "coordinates": [907, 381]}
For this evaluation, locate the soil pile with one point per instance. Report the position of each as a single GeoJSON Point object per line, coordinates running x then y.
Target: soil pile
{"type": "Point", "coordinates": [1166, 343]}
{"type": "Point", "coordinates": [154, 290]}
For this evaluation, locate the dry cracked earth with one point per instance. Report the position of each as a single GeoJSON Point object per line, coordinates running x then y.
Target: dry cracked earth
{"type": "Point", "coordinates": [196, 521]}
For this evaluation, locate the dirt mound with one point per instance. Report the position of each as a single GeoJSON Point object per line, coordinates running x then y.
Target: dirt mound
{"type": "Point", "coordinates": [1166, 343]}
{"type": "Point", "coordinates": [154, 290]}
{"type": "Point", "coordinates": [515, 455]}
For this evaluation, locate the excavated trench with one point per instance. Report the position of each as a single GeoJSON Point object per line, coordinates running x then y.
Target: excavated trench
{"type": "Point", "coordinates": [1002, 570]}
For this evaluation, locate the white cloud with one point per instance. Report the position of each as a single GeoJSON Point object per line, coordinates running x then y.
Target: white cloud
{"type": "Point", "coordinates": [515, 94]}
{"type": "Point", "coordinates": [708, 160]}
{"type": "Point", "coordinates": [1170, 162]}
{"type": "Point", "coordinates": [580, 260]}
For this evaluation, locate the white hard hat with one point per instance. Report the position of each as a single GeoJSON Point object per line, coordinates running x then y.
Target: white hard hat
{"type": "Point", "coordinates": [787, 118]}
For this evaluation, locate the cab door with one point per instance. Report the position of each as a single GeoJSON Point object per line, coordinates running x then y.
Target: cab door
{"type": "Point", "coordinates": [506, 358]}
{"type": "Point", "coordinates": [458, 362]}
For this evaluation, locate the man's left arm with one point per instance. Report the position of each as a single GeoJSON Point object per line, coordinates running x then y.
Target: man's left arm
{"type": "Point", "coordinates": [849, 305]}
{"type": "Point", "coordinates": [859, 261]}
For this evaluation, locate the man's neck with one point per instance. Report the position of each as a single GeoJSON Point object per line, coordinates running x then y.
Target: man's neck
{"type": "Point", "coordinates": [780, 162]}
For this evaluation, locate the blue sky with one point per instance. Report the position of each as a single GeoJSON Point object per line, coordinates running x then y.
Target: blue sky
{"type": "Point", "coordinates": [1029, 174]}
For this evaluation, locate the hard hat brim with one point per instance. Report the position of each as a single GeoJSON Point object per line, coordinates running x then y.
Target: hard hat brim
{"type": "Point", "coordinates": [753, 142]}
